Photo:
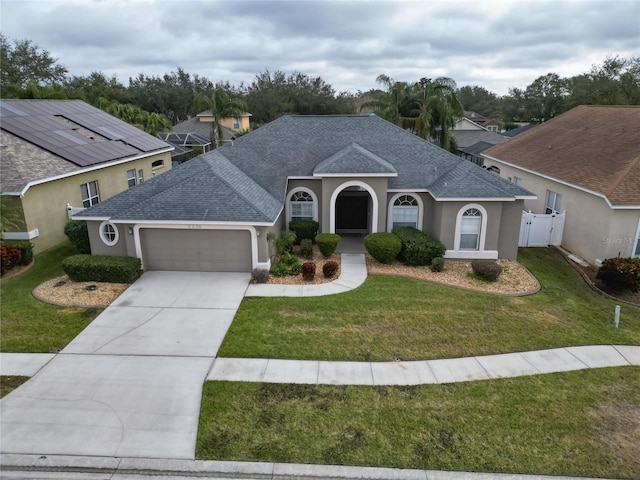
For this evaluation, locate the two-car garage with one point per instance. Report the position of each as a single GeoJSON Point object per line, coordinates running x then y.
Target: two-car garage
{"type": "Point", "coordinates": [195, 249]}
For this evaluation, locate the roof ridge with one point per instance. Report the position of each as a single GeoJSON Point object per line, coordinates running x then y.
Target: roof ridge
{"type": "Point", "coordinates": [228, 168]}
{"type": "Point", "coordinates": [616, 183]}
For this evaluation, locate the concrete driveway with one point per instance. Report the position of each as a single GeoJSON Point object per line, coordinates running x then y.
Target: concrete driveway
{"type": "Point", "coordinates": [130, 384]}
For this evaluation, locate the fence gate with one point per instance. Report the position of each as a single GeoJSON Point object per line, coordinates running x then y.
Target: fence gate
{"type": "Point", "coordinates": [541, 230]}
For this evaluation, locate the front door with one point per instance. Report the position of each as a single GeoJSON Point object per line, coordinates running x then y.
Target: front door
{"type": "Point", "coordinates": [352, 213]}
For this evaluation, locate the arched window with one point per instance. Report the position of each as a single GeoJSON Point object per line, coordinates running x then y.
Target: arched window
{"type": "Point", "coordinates": [470, 229]}
{"type": "Point", "coordinates": [405, 212]}
{"type": "Point", "coordinates": [109, 233]}
{"type": "Point", "coordinates": [301, 206]}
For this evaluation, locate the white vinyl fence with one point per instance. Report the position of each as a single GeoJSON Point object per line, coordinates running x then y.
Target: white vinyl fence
{"type": "Point", "coordinates": [541, 230]}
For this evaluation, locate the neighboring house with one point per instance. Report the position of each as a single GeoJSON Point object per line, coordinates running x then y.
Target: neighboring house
{"type": "Point", "coordinates": [518, 130]}
{"type": "Point", "coordinates": [186, 145]}
{"type": "Point", "coordinates": [201, 125]}
{"type": "Point", "coordinates": [354, 174]}
{"type": "Point", "coordinates": [472, 139]}
{"type": "Point", "coordinates": [492, 125]}
{"type": "Point", "coordinates": [65, 154]}
{"type": "Point", "coordinates": [585, 162]}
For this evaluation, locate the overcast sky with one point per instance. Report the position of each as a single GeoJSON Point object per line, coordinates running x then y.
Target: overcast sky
{"type": "Point", "coordinates": [495, 44]}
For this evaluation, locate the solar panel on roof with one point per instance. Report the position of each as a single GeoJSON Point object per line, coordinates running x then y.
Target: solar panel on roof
{"type": "Point", "coordinates": [13, 109]}
{"type": "Point", "coordinates": [70, 136]}
{"type": "Point", "coordinates": [110, 133]}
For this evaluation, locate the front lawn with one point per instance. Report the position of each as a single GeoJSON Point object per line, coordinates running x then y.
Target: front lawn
{"type": "Point", "coordinates": [28, 325]}
{"type": "Point", "coordinates": [393, 317]}
{"type": "Point", "coordinates": [582, 423]}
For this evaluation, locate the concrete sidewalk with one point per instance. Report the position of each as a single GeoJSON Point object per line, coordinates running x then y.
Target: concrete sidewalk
{"type": "Point", "coordinates": [353, 273]}
{"type": "Point", "coordinates": [423, 372]}
{"type": "Point", "coordinates": [16, 467]}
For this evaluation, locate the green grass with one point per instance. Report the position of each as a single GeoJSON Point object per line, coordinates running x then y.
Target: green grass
{"type": "Point", "coordinates": [28, 325]}
{"type": "Point", "coordinates": [391, 317]}
{"type": "Point", "coordinates": [573, 423]}
{"type": "Point", "coordinates": [8, 383]}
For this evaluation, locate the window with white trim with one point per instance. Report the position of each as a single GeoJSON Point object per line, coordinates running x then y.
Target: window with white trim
{"type": "Point", "coordinates": [470, 228]}
{"type": "Point", "coordinates": [90, 194]}
{"type": "Point", "coordinates": [553, 202]}
{"type": "Point", "coordinates": [140, 176]}
{"type": "Point", "coordinates": [157, 164]}
{"type": "Point", "coordinates": [131, 178]}
{"type": "Point", "coordinates": [236, 123]}
{"type": "Point", "coordinates": [109, 233]}
{"type": "Point", "coordinates": [301, 206]}
{"type": "Point", "coordinates": [636, 250]}
{"type": "Point", "coordinates": [405, 212]}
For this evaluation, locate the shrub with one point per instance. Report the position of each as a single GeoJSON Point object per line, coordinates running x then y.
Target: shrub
{"type": "Point", "coordinates": [76, 232]}
{"type": "Point", "coordinates": [329, 269]}
{"type": "Point", "coordinates": [284, 244]}
{"type": "Point", "coordinates": [308, 270]}
{"type": "Point", "coordinates": [327, 243]}
{"type": "Point", "coordinates": [384, 247]}
{"type": "Point", "coordinates": [437, 264]}
{"type": "Point", "coordinates": [280, 269]}
{"type": "Point", "coordinates": [486, 269]}
{"type": "Point", "coordinates": [10, 256]}
{"type": "Point", "coordinates": [260, 276]}
{"type": "Point", "coordinates": [26, 251]}
{"type": "Point", "coordinates": [306, 248]}
{"type": "Point", "coordinates": [304, 229]}
{"type": "Point", "coordinates": [102, 268]}
{"type": "Point", "coordinates": [418, 248]}
{"type": "Point", "coordinates": [295, 268]}
{"type": "Point", "coordinates": [620, 274]}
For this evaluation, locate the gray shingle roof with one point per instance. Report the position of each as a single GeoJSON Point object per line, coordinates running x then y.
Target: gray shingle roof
{"type": "Point", "coordinates": [194, 125]}
{"type": "Point", "coordinates": [353, 159]}
{"type": "Point", "coordinates": [466, 138]}
{"type": "Point", "coordinates": [246, 181]}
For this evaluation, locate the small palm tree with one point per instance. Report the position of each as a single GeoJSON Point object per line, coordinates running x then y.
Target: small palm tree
{"type": "Point", "coordinates": [221, 105]}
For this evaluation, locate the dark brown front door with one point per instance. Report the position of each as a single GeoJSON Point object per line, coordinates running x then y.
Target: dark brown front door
{"type": "Point", "coordinates": [352, 213]}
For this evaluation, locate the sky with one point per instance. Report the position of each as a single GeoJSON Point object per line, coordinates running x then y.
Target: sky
{"type": "Point", "coordinates": [497, 44]}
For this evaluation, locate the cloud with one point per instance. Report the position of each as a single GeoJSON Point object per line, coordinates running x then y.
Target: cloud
{"type": "Point", "coordinates": [497, 45]}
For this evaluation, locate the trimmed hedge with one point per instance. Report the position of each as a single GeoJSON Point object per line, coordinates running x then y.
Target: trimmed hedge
{"type": "Point", "coordinates": [304, 229]}
{"type": "Point", "coordinates": [26, 251]}
{"type": "Point", "coordinates": [306, 248]}
{"type": "Point", "coordinates": [327, 243]}
{"type": "Point", "coordinates": [76, 232]}
{"type": "Point", "coordinates": [10, 256]}
{"type": "Point", "coordinates": [620, 274]}
{"type": "Point", "coordinates": [418, 248]}
{"type": "Point", "coordinates": [486, 269]}
{"type": "Point", "coordinates": [102, 268]}
{"type": "Point", "coordinates": [382, 246]}
{"type": "Point", "coordinates": [437, 264]}
{"type": "Point", "coordinates": [308, 270]}
{"type": "Point", "coordinates": [329, 269]}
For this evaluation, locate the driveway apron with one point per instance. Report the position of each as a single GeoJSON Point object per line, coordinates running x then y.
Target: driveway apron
{"type": "Point", "coordinates": [130, 384]}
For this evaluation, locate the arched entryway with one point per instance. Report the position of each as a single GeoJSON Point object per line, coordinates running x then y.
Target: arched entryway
{"type": "Point", "coordinates": [354, 209]}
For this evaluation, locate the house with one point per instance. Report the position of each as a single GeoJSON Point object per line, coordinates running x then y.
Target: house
{"type": "Point", "coordinates": [186, 145]}
{"type": "Point", "coordinates": [585, 162]}
{"type": "Point", "coordinates": [354, 174]}
{"type": "Point", "coordinates": [201, 125]}
{"type": "Point", "coordinates": [64, 154]}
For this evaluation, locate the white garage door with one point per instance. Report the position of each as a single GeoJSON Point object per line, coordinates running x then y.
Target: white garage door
{"type": "Point", "coordinates": [196, 250]}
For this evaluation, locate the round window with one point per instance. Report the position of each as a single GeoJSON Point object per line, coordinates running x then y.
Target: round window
{"type": "Point", "coordinates": [109, 233]}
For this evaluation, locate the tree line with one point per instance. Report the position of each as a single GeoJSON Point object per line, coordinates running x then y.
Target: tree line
{"type": "Point", "coordinates": [428, 107]}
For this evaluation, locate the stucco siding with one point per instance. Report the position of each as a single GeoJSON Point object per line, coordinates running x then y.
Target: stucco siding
{"type": "Point", "coordinates": [98, 247]}
{"type": "Point", "coordinates": [45, 205]}
{"type": "Point", "coordinates": [510, 229]}
{"type": "Point", "coordinates": [593, 230]}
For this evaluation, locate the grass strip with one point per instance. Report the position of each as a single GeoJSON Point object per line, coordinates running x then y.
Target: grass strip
{"type": "Point", "coordinates": [582, 423]}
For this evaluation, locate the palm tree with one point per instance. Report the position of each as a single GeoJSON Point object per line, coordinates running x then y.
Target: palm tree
{"type": "Point", "coordinates": [221, 105]}
{"type": "Point", "coordinates": [393, 104]}
{"type": "Point", "coordinates": [439, 109]}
